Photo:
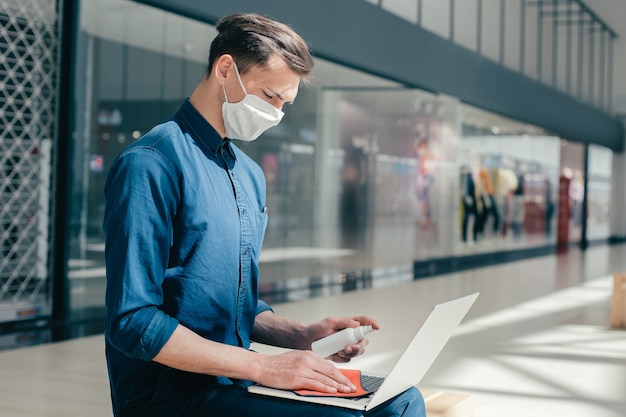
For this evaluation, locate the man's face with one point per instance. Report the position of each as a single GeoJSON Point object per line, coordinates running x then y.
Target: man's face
{"type": "Point", "coordinates": [277, 83]}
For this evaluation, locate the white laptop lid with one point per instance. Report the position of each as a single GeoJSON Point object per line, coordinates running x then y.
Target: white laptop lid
{"type": "Point", "coordinates": [423, 349]}
{"type": "Point", "coordinates": [412, 365]}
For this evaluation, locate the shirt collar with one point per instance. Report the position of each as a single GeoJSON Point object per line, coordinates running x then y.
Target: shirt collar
{"type": "Point", "coordinates": [192, 122]}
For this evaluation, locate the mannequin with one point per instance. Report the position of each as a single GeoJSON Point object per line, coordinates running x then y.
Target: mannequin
{"type": "Point", "coordinates": [517, 219]}
{"type": "Point", "coordinates": [468, 202]}
{"type": "Point", "coordinates": [490, 209]}
{"type": "Point", "coordinates": [506, 182]}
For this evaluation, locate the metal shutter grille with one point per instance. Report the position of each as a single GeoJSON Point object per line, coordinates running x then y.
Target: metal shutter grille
{"type": "Point", "coordinates": [28, 80]}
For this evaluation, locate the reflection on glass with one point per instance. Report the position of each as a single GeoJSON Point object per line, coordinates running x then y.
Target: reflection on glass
{"type": "Point", "coordinates": [392, 150]}
{"type": "Point", "coordinates": [135, 65]}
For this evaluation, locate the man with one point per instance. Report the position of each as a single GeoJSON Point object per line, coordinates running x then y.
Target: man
{"type": "Point", "coordinates": [184, 221]}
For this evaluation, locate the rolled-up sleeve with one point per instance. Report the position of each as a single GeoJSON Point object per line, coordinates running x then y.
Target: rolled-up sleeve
{"type": "Point", "coordinates": [141, 197]}
{"type": "Point", "coordinates": [262, 306]}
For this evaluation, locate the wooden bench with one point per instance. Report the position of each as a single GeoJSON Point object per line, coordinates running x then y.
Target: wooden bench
{"type": "Point", "coordinates": [618, 302]}
{"type": "Point", "coordinates": [447, 404]}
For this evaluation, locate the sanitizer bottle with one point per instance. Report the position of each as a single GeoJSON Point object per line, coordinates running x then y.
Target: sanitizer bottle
{"type": "Point", "coordinates": [336, 342]}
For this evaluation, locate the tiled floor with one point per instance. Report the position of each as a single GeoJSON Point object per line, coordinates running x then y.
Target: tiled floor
{"type": "Point", "coordinates": [536, 343]}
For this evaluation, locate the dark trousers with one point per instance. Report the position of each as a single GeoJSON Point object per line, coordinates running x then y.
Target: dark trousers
{"type": "Point", "coordinates": [469, 211]}
{"type": "Point", "coordinates": [235, 401]}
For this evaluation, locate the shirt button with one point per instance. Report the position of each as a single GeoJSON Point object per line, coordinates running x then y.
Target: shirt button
{"type": "Point", "coordinates": [245, 251]}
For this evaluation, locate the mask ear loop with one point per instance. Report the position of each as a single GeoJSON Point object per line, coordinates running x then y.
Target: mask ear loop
{"type": "Point", "coordinates": [239, 78]}
{"type": "Point", "coordinates": [240, 83]}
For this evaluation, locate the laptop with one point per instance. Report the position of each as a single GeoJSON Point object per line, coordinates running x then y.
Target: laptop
{"type": "Point", "coordinates": [410, 368]}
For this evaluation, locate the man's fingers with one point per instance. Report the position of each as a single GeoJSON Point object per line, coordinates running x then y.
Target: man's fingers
{"type": "Point", "coordinates": [331, 376]}
{"type": "Point", "coordinates": [305, 370]}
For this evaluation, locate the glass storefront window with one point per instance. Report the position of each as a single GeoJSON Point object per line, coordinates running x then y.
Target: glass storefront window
{"type": "Point", "coordinates": [385, 174]}
{"type": "Point", "coordinates": [363, 174]}
{"type": "Point", "coordinates": [136, 65]}
{"type": "Point", "coordinates": [599, 192]}
{"type": "Point", "coordinates": [509, 183]}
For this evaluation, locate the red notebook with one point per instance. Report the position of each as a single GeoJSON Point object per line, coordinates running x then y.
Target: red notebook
{"type": "Point", "coordinates": [354, 375]}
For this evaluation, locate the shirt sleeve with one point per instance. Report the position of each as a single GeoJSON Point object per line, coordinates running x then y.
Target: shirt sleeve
{"type": "Point", "coordinates": [141, 199]}
{"type": "Point", "coordinates": [262, 306]}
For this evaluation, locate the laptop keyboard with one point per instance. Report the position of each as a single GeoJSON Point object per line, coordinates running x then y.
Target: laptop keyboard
{"type": "Point", "coordinates": [371, 383]}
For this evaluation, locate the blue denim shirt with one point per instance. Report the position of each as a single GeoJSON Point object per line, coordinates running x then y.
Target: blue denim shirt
{"type": "Point", "coordinates": [184, 222]}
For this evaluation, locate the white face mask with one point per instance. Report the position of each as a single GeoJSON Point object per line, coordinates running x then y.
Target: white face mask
{"type": "Point", "coordinates": [250, 117]}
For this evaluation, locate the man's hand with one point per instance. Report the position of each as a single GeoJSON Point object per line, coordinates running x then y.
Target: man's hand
{"type": "Point", "coordinates": [276, 330]}
{"type": "Point", "coordinates": [187, 351]}
{"type": "Point", "coordinates": [331, 325]}
{"type": "Point", "coordinates": [301, 369]}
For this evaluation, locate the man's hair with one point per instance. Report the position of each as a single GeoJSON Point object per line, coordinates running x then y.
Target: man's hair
{"type": "Point", "coordinates": [253, 39]}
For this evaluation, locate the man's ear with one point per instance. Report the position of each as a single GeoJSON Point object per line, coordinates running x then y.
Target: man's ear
{"type": "Point", "coordinates": [221, 68]}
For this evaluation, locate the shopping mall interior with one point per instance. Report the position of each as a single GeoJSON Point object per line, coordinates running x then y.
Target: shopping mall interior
{"type": "Point", "coordinates": [440, 148]}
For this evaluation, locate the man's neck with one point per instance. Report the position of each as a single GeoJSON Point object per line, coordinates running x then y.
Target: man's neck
{"type": "Point", "coordinates": [207, 98]}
